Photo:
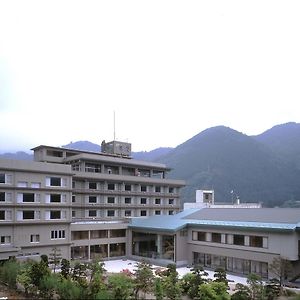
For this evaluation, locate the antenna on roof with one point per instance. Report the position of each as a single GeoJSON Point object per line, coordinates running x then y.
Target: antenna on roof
{"type": "Point", "coordinates": [114, 125]}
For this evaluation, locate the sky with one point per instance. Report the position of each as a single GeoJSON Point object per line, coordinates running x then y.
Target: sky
{"type": "Point", "coordinates": [166, 70]}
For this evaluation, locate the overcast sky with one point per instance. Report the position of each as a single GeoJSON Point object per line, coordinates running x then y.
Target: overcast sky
{"type": "Point", "coordinates": [169, 69]}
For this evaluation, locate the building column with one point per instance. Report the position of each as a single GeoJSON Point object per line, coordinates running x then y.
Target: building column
{"type": "Point", "coordinates": [159, 244]}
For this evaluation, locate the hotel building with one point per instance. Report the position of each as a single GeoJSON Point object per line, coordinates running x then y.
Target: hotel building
{"type": "Point", "coordinates": [79, 201]}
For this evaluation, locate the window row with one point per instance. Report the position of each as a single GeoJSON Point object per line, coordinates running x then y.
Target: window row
{"type": "Point", "coordinates": [98, 251]}
{"type": "Point", "coordinates": [50, 181]}
{"type": "Point", "coordinates": [93, 185]}
{"type": "Point", "coordinates": [35, 238]}
{"type": "Point", "coordinates": [97, 234]}
{"type": "Point", "coordinates": [6, 215]}
{"type": "Point", "coordinates": [96, 213]}
{"type": "Point", "coordinates": [231, 264]}
{"type": "Point", "coordinates": [231, 239]}
{"type": "Point", "coordinates": [128, 200]}
{"type": "Point", "coordinates": [33, 197]}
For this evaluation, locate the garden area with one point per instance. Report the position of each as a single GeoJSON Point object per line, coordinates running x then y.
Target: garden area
{"type": "Point", "coordinates": [56, 278]}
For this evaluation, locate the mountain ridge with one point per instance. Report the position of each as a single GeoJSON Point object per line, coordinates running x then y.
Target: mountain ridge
{"type": "Point", "coordinates": [262, 168]}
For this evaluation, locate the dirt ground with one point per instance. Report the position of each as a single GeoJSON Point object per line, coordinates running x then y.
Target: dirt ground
{"type": "Point", "coordinates": [11, 295]}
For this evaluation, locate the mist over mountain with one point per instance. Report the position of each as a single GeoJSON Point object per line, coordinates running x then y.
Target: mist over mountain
{"type": "Point", "coordinates": [263, 168]}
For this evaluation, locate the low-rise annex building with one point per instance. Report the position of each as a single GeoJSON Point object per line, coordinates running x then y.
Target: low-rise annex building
{"type": "Point", "coordinates": [240, 240]}
{"type": "Point", "coordinates": [79, 201]}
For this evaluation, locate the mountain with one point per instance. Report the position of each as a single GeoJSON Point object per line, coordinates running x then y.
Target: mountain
{"type": "Point", "coordinates": [223, 159]}
{"type": "Point", "coordinates": [284, 140]}
{"type": "Point", "coordinates": [152, 155]}
{"type": "Point", "coordinates": [17, 155]}
{"type": "Point", "coordinates": [83, 145]}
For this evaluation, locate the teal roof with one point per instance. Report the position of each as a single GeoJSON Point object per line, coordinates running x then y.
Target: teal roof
{"type": "Point", "coordinates": [187, 218]}
{"type": "Point", "coordinates": [162, 223]}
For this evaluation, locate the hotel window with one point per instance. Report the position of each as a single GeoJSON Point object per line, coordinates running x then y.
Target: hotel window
{"type": "Point", "coordinates": [73, 198]}
{"type": "Point", "coordinates": [127, 213]}
{"type": "Point", "coordinates": [34, 238]}
{"type": "Point", "coordinates": [28, 197]}
{"type": "Point", "coordinates": [55, 181]}
{"type": "Point", "coordinates": [5, 178]}
{"type": "Point", "coordinates": [22, 184]}
{"type": "Point", "coordinates": [239, 239]}
{"type": "Point", "coordinates": [110, 200]}
{"type": "Point", "coordinates": [199, 236]}
{"type": "Point", "coordinates": [58, 234]}
{"type": "Point", "coordinates": [171, 201]}
{"type": "Point", "coordinates": [2, 178]}
{"type": "Point", "coordinates": [157, 212]}
{"type": "Point", "coordinates": [114, 233]}
{"type": "Point", "coordinates": [73, 213]}
{"type": "Point", "coordinates": [256, 241]}
{"type": "Point", "coordinates": [79, 235]}
{"type": "Point", "coordinates": [99, 234]}
{"type": "Point", "coordinates": [216, 237]}
{"type": "Point", "coordinates": [143, 188]}
{"type": "Point", "coordinates": [127, 200]}
{"type": "Point", "coordinates": [110, 213]}
{"type": "Point", "coordinates": [35, 185]}
{"type": "Point", "coordinates": [157, 201]}
{"type": "Point", "coordinates": [92, 185]}
{"type": "Point", "coordinates": [111, 186]}
{"type": "Point", "coordinates": [92, 199]}
{"type": "Point", "coordinates": [171, 190]}
{"type": "Point", "coordinates": [2, 197]}
{"type": "Point", "coordinates": [2, 215]}
{"type": "Point", "coordinates": [28, 214]}
{"type": "Point", "coordinates": [171, 212]}
{"type": "Point", "coordinates": [55, 198]}
{"type": "Point", "coordinates": [143, 200]}
{"type": "Point", "coordinates": [143, 213]}
{"type": "Point", "coordinates": [5, 240]}
{"type": "Point", "coordinates": [93, 213]}
{"type": "Point", "coordinates": [127, 187]}
{"type": "Point", "coordinates": [157, 189]}
{"type": "Point", "coordinates": [55, 214]}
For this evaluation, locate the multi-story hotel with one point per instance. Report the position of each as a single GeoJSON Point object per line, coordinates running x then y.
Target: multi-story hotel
{"type": "Point", "coordinates": [79, 201]}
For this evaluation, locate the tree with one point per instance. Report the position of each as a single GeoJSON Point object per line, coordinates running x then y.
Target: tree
{"type": "Point", "coordinates": [171, 284]}
{"type": "Point", "coordinates": [221, 276]}
{"type": "Point", "coordinates": [256, 286]}
{"type": "Point", "coordinates": [242, 292]}
{"type": "Point", "coordinates": [68, 289]}
{"type": "Point", "coordinates": [24, 278]}
{"type": "Point", "coordinates": [213, 291]}
{"type": "Point", "coordinates": [37, 271]}
{"type": "Point", "coordinates": [54, 258]}
{"type": "Point", "coordinates": [48, 285]}
{"type": "Point", "coordinates": [79, 275]}
{"type": "Point", "coordinates": [158, 289]}
{"type": "Point", "coordinates": [65, 268]}
{"type": "Point", "coordinates": [200, 277]}
{"type": "Point", "coordinates": [144, 278]}
{"type": "Point", "coordinates": [186, 282]}
{"type": "Point", "coordinates": [97, 288]}
{"type": "Point", "coordinates": [281, 268]}
{"type": "Point", "coordinates": [272, 289]}
{"type": "Point", "coordinates": [121, 286]}
{"type": "Point", "coordinates": [44, 258]}
{"type": "Point", "coordinates": [9, 271]}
